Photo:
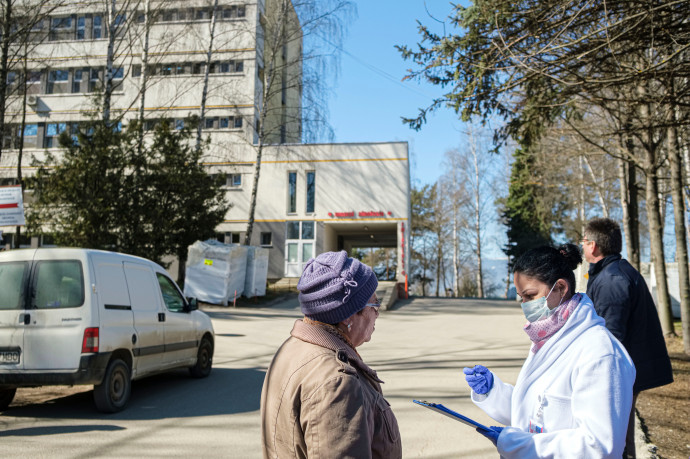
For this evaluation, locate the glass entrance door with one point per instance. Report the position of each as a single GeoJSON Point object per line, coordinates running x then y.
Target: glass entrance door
{"type": "Point", "coordinates": [299, 247]}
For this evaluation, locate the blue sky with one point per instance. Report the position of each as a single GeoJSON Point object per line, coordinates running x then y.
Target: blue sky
{"type": "Point", "coordinates": [369, 97]}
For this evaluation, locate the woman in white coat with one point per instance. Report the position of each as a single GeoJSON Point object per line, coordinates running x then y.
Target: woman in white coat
{"type": "Point", "coordinates": [573, 395]}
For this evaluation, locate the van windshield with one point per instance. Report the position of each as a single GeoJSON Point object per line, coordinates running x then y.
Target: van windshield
{"type": "Point", "coordinates": [13, 275]}
{"type": "Point", "coordinates": [58, 284]}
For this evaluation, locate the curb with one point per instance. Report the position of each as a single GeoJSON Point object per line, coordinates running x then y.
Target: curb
{"type": "Point", "coordinates": [644, 449]}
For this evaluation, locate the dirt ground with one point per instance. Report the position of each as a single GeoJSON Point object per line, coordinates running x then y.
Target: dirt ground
{"type": "Point", "coordinates": [665, 411]}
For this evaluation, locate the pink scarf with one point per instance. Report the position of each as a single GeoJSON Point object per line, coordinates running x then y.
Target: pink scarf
{"type": "Point", "coordinates": [541, 330]}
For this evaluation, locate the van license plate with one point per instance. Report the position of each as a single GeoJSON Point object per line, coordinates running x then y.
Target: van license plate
{"type": "Point", "coordinates": [9, 357]}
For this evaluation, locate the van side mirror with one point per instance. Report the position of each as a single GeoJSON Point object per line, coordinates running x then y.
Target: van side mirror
{"type": "Point", "coordinates": [192, 304]}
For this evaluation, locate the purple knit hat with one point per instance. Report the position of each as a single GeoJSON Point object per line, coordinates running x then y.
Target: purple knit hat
{"type": "Point", "coordinates": [333, 287]}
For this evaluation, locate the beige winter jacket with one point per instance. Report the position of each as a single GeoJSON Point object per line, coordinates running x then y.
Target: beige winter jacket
{"type": "Point", "coordinates": [320, 400]}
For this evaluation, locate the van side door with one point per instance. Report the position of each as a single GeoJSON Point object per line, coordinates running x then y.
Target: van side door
{"type": "Point", "coordinates": [115, 308]}
{"type": "Point", "coordinates": [180, 332]}
{"type": "Point", "coordinates": [148, 323]}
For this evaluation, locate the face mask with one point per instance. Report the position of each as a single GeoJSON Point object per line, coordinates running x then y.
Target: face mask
{"type": "Point", "coordinates": [537, 309]}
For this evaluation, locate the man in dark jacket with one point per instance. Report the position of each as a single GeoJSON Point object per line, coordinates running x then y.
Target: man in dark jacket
{"type": "Point", "coordinates": [620, 295]}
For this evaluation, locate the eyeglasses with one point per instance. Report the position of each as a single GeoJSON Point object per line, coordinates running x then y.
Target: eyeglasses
{"type": "Point", "coordinates": [376, 307]}
{"type": "Point", "coordinates": [584, 241]}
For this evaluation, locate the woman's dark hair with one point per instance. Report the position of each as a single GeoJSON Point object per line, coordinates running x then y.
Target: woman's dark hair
{"type": "Point", "coordinates": [548, 264]}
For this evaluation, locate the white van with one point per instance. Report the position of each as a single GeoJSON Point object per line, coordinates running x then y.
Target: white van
{"type": "Point", "coordinates": [79, 316]}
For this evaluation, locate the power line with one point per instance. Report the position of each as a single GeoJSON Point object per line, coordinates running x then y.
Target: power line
{"type": "Point", "coordinates": [376, 70]}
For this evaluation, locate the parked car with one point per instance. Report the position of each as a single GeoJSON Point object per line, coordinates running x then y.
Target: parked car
{"type": "Point", "coordinates": [80, 316]}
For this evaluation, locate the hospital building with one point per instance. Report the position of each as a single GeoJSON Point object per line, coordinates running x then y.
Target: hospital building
{"type": "Point", "coordinates": [312, 197]}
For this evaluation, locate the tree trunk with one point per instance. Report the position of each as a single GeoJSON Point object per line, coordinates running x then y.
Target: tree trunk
{"type": "Point", "coordinates": [181, 269]}
{"type": "Point", "coordinates": [110, 57]}
{"type": "Point", "coordinates": [679, 220]}
{"type": "Point", "coordinates": [631, 239]}
{"type": "Point", "coordinates": [4, 62]}
{"type": "Point", "coordinates": [477, 221]}
{"type": "Point", "coordinates": [204, 92]}
{"type": "Point", "coordinates": [439, 255]}
{"type": "Point", "coordinates": [634, 215]}
{"type": "Point", "coordinates": [456, 261]}
{"type": "Point", "coordinates": [657, 247]}
{"type": "Point", "coordinates": [20, 149]}
{"type": "Point", "coordinates": [143, 78]}
{"type": "Point", "coordinates": [255, 188]}
{"type": "Point", "coordinates": [628, 175]}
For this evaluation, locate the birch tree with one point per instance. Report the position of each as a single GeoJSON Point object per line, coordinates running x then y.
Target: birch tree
{"type": "Point", "coordinates": [301, 43]}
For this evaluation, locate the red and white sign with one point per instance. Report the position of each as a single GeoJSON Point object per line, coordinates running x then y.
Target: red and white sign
{"type": "Point", "coordinates": [11, 206]}
{"type": "Point", "coordinates": [361, 213]}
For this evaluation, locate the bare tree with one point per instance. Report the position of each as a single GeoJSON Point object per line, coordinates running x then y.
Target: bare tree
{"type": "Point", "coordinates": [292, 93]}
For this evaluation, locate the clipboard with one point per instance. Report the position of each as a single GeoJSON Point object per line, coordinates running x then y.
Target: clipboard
{"type": "Point", "coordinates": [437, 407]}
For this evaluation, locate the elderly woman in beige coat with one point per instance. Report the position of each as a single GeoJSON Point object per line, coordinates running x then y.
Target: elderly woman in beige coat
{"type": "Point", "coordinates": [319, 399]}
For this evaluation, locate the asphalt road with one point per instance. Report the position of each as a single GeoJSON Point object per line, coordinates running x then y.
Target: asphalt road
{"type": "Point", "coordinates": [418, 349]}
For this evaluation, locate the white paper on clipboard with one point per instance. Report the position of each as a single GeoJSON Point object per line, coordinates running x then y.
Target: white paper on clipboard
{"type": "Point", "coordinates": [437, 407]}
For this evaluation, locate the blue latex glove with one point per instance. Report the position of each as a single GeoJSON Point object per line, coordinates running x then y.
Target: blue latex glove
{"type": "Point", "coordinates": [491, 434]}
{"type": "Point", "coordinates": [479, 378]}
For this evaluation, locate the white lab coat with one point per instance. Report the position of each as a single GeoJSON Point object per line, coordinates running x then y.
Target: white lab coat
{"type": "Point", "coordinates": [577, 389]}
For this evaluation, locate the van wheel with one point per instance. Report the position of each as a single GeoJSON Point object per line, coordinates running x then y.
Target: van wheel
{"type": "Point", "coordinates": [204, 360]}
{"type": "Point", "coordinates": [113, 393]}
{"type": "Point", "coordinates": [6, 397]}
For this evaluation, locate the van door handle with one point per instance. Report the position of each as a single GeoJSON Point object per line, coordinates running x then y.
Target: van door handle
{"type": "Point", "coordinates": [27, 319]}
{"type": "Point", "coordinates": [161, 317]}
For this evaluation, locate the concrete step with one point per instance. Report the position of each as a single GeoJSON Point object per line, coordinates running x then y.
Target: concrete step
{"type": "Point", "coordinates": [387, 292]}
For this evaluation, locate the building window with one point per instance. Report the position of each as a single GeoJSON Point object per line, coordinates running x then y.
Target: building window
{"type": "Point", "coordinates": [57, 81]}
{"type": "Point", "coordinates": [169, 16]}
{"type": "Point", "coordinates": [94, 80]}
{"type": "Point", "coordinates": [233, 12]}
{"type": "Point", "coordinates": [292, 230]}
{"type": "Point", "coordinates": [77, 79]}
{"type": "Point", "coordinates": [237, 122]}
{"type": "Point", "coordinates": [292, 192]}
{"type": "Point", "coordinates": [34, 83]}
{"type": "Point", "coordinates": [228, 67]}
{"type": "Point", "coordinates": [118, 23]}
{"type": "Point", "coordinates": [150, 125]}
{"type": "Point", "coordinates": [53, 130]}
{"type": "Point", "coordinates": [11, 81]}
{"type": "Point", "coordinates": [8, 140]}
{"type": "Point", "coordinates": [266, 239]}
{"type": "Point", "coordinates": [81, 28]}
{"type": "Point", "coordinates": [202, 14]}
{"type": "Point", "coordinates": [118, 75]}
{"type": "Point", "coordinates": [136, 70]}
{"type": "Point", "coordinates": [234, 180]}
{"type": "Point", "coordinates": [30, 135]}
{"type": "Point", "coordinates": [179, 124]}
{"type": "Point", "coordinates": [311, 191]}
{"type": "Point", "coordinates": [307, 230]}
{"type": "Point", "coordinates": [60, 29]}
{"type": "Point", "coordinates": [97, 27]}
